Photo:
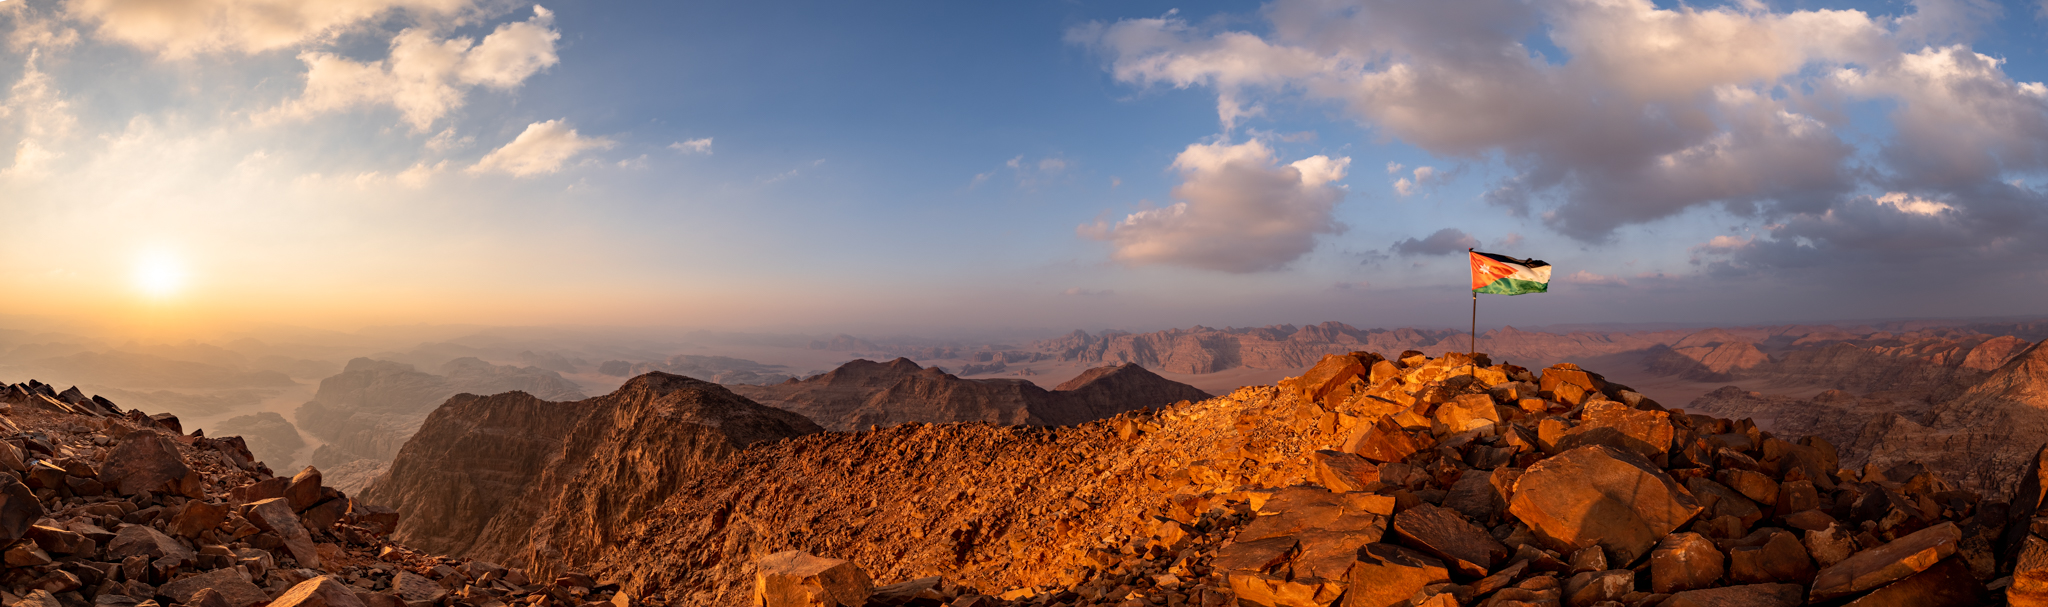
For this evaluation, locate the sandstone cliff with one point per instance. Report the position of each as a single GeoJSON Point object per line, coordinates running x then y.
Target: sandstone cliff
{"type": "Point", "coordinates": [864, 393]}
{"type": "Point", "coordinates": [512, 476]}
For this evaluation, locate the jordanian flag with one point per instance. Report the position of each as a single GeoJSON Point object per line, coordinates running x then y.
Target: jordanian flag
{"type": "Point", "coordinates": [1503, 275]}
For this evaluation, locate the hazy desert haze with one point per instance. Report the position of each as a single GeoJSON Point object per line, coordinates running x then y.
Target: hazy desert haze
{"type": "Point", "coordinates": [938, 166]}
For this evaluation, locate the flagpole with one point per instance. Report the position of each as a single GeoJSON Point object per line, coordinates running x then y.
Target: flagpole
{"type": "Point", "coordinates": [1473, 353]}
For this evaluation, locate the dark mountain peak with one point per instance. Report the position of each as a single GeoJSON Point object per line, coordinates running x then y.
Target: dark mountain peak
{"type": "Point", "coordinates": [372, 365]}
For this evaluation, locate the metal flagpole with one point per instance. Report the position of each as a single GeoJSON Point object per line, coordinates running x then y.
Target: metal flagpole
{"type": "Point", "coordinates": [1472, 352]}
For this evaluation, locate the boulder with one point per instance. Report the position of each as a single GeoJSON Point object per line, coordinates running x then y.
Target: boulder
{"type": "Point", "coordinates": [19, 508]}
{"type": "Point", "coordinates": [1749, 595]}
{"type": "Point", "coordinates": [236, 590]}
{"type": "Point", "coordinates": [146, 461]}
{"type": "Point", "coordinates": [924, 590]}
{"type": "Point", "coordinates": [304, 489]}
{"type": "Point", "coordinates": [1946, 584]}
{"type": "Point", "coordinates": [1445, 534]}
{"type": "Point", "coordinates": [793, 578]}
{"type": "Point", "coordinates": [1386, 575]}
{"type": "Point", "coordinates": [1344, 472]}
{"type": "Point", "coordinates": [1467, 413]}
{"type": "Point", "coordinates": [198, 516]}
{"type": "Point", "coordinates": [1780, 558]}
{"type": "Point", "coordinates": [1647, 433]}
{"type": "Point", "coordinates": [416, 589]}
{"type": "Point", "coordinates": [142, 540]}
{"type": "Point", "coordinates": [1893, 561]}
{"type": "Point", "coordinates": [1600, 495]}
{"type": "Point", "coordinates": [2030, 574]}
{"type": "Point", "coordinates": [323, 591]}
{"type": "Point", "coordinates": [1589, 588]}
{"type": "Point", "coordinates": [1685, 561]}
{"type": "Point", "coordinates": [1383, 441]}
{"type": "Point", "coordinates": [275, 515]}
{"type": "Point", "coordinates": [1329, 373]}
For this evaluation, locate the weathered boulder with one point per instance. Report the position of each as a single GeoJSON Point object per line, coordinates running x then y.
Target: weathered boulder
{"type": "Point", "coordinates": [1647, 433]}
{"type": "Point", "coordinates": [1780, 558]}
{"type": "Point", "coordinates": [146, 461]}
{"type": "Point", "coordinates": [1748, 595]}
{"type": "Point", "coordinates": [19, 508]}
{"type": "Point", "coordinates": [1344, 472]}
{"type": "Point", "coordinates": [142, 540]}
{"type": "Point", "coordinates": [1593, 587]}
{"type": "Point", "coordinates": [1466, 413]}
{"type": "Point", "coordinates": [1685, 561]}
{"type": "Point", "coordinates": [1331, 372]}
{"type": "Point", "coordinates": [304, 490]}
{"type": "Point", "coordinates": [1386, 575]}
{"type": "Point", "coordinates": [323, 591]}
{"type": "Point", "coordinates": [1600, 495]}
{"type": "Point", "coordinates": [1447, 535]}
{"type": "Point", "coordinates": [793, 578]}
{"type": "Point", "coordinates": [198, 516]}
{"type": "Point", "coordinates": [236, 590]}
{"type": "Point", "coordinates": [417, 589]}
{"type": "Point", "coordinates": [1946, 584]}
{"type": "Point", "coordinates": [275, 515]}
{"type": "Point", "coordinates": [1383, 441]}
{"type": "Point", "coordinates": [2030, 574]}
{"type": "Point", "coordinates": [1888, 563]}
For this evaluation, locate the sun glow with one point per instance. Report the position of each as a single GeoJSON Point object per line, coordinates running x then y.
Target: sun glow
{"type": "Point", "coordinates": [159, 275]}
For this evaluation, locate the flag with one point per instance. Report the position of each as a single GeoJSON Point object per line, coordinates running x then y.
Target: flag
{"type": "Point", "coordinates": [1503, 275]}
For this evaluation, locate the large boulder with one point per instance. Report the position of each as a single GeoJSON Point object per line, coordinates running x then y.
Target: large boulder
{"type": "Point", "coordinates": [1447, 535]}
{"type": "Point", "coordinates": [323, 591]}
{"type": "Point", "coordinates": [1685, 561]}
{"type": "Point", "coordinates": [1946, 584]}
{"type": "Point", "coordinates": [793, 578]}
{"type": "Point", "coordinates": [147, 461]}
{"type": "Point", "coordinates": [275, 516]}
{"type": "Point", "coordinates": [1386, 575]}
{"type": "Point", "coordinates": [19, 508]}
{"type": "Point", "coordinates": [236, 590]}
{"type": "Point", "coordinates": [1893, 561]}
{"type": "Point", "coordinates": [1600, 495]}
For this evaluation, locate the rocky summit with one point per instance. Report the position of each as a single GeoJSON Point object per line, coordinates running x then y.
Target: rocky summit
{"type": "Point", "coordinates": [112, 508]}
{"type": "Point", "coordinates": [1366, 481]}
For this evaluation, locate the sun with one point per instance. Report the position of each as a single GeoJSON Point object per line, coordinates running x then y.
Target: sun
{"type": "Point", "coordinates": [159, 275]}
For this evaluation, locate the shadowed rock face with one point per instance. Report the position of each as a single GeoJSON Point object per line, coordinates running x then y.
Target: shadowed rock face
{"type": "Point", "coordinates": [864, 393]}
{"type": "Point", "coordinates": [512, 476]}
{"type": "Point", "coordinates": [370, 408]}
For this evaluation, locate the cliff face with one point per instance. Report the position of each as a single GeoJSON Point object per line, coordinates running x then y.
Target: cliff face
{"type": "Point", "coordinates": [515, 478]}
{"type": "Point", "coordinates": [864, 393]}
{"type": "Point", "coordinates": [371, 408]}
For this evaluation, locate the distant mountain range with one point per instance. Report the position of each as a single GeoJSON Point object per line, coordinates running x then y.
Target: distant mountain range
{"type": "Point", "coordinates": [864, 393]}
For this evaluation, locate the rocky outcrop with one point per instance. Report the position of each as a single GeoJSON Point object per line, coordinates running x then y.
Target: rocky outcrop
{"type": "Point", "coordinates": [1576, 491]}
{"type": "Point", "coordinates": [864, 393]}
{"type": "Point", "coordinates": [104, 508]}
{"type": "Point", "coordinates": [369, 410]}
{"type": "Point", "coordinates": [515, 478]}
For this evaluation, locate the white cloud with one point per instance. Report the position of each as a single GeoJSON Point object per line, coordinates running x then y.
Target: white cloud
{"type": "Point", "coordinates": [182, 28]}
{"type": "Point", "coordinates": [1424, 177]}
{"type": "Point", "coordinates": [1907, 203]}
{"type": "Point", "coordinates": [424, 77]}
{"type": "Point", "coordinates": [1240, 210]}
{"type": "Point", "coordinates": [539, 150]}
{"type": "Point", "coordinates": [693, 146]}
{"type": "Point", "coordinates": [1646, 113]}
{"type": "Point", "coordinates": [36, 29]}
{"type": "Point", "coordinates": [41, 114]}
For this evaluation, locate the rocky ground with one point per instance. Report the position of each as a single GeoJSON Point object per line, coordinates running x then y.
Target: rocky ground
{"type": "Point", "coordinates": [1365, 482]}
{"type": "Point", "coordinates": [100, 506]}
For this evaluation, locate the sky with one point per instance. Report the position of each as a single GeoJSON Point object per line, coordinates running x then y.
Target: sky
{"type": "Point", "coordinates": [911, 166]}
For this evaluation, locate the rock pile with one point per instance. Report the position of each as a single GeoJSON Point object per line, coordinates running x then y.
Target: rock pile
{"type": "Point", "coordinates": [1461, 482]}
{"type": "Point", "coordinates": [110, 508]}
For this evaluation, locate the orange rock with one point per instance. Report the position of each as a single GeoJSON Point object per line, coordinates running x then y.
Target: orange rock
{"type": "Point", "coordinates": [1599, 495]}
{"type": "Point", "coordinates": [1888, 563]}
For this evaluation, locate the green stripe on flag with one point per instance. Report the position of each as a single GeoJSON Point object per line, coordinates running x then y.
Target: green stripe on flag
{"type": "Point", "coordinates": [1510, 286]}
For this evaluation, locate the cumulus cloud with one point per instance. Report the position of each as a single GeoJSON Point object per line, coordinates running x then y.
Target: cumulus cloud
{"type": "Point", "coordinates": [1444, 242]}
{"type": "Point", "coordinates": [192, 27]}
{"type": "Point", "coordinates": [540, 150]}
{"type": "Point", "coordinates": [693, 146]}
{"type": "Point", "coordinates": [1647, 112]}
{"type": "Point", "coordinates": [1424, 177]}
{"type": "Point", "coordinates": [1239, 210]}
{"type": "Point", "coordinates": [425, 77]}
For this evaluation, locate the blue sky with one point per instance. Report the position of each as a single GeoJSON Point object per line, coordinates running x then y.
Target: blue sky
{"type": "Point", "coordinates": [906, 165]}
